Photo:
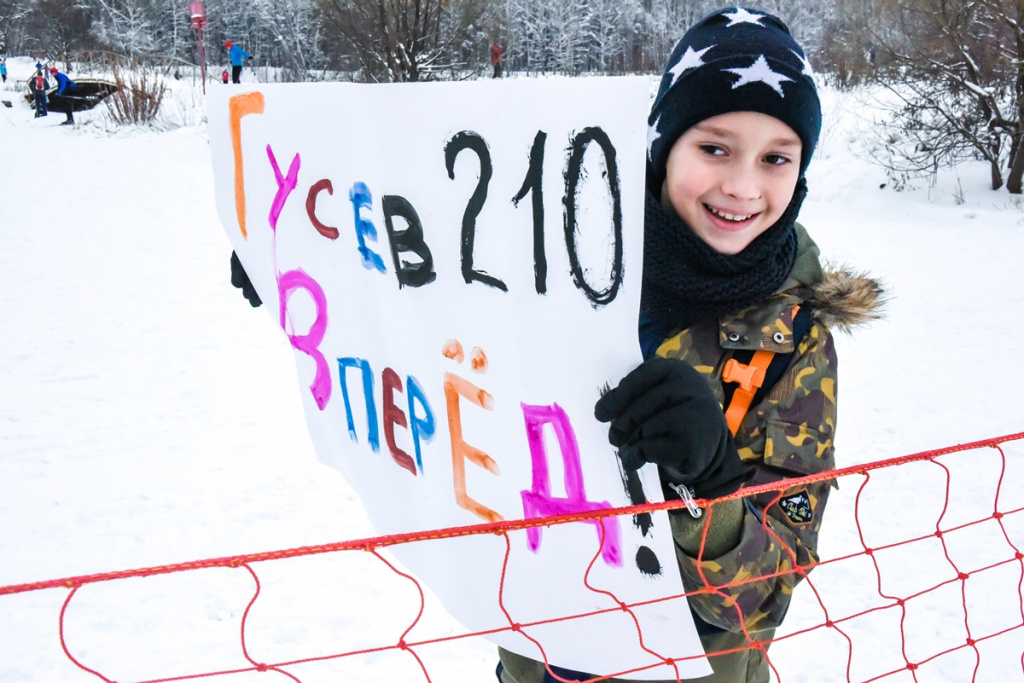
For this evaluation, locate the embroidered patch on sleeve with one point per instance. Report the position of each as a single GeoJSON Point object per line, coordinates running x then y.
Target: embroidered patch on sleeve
{"type": "Point", "coordinates": [797, 507]}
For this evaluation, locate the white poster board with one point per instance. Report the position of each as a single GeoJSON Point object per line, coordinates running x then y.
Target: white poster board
{"type": "Point", "coordinates": [457, 266]}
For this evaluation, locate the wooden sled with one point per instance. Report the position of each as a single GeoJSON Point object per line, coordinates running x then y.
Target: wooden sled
{"type": "Point", "coordinates": [87, 93]}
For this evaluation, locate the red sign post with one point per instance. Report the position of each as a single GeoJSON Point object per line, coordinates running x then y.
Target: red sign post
{"type": "Point", "coordinates": [198, 15]}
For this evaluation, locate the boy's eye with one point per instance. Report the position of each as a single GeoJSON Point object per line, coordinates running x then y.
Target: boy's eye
{"type": "Point", "coordinates": [776, 159]}
{"type": "Point", "coordinates": [712, 150]}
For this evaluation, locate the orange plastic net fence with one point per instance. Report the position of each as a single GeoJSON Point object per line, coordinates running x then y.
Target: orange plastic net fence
{"type": "Point", "coordinates": [921, 580]}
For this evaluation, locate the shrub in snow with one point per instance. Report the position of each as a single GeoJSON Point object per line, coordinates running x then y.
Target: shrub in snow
{"type": "Point", "coordinates": [139, 95]}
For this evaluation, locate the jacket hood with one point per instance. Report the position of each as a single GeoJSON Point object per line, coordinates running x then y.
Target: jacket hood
{"type": "Point", "coordinates": [845, 298]}
{"type": "Point", "coordinates": [842, 298]}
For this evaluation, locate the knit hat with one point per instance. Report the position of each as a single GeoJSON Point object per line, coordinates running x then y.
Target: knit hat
{"type": "Point", "coordinates": [732, 60]}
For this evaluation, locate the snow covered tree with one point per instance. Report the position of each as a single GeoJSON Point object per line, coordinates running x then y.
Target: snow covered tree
{"type": "Point", "coordinates": [401, 40]}
{"type": "Point", "coordinates": [127, 27]}
{"type": "Point", "coordinates": [295, 31]}
{"type": "Point", "coordinates": [552, 35]}
{"type": "Point", "coordinates": [173, 37]}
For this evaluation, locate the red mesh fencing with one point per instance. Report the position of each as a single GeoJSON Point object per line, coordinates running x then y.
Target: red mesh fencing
{"type": "Point", "coordinates": [926, 585]}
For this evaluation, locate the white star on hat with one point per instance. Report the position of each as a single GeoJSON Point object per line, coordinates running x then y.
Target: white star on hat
{"type": "Point", "coordinates": [808, 71]}
{"type": "Point", "coordinates": [690, 60]}
{"type": "Point", "coordinates": [760, 72]}
{"type": "Point", "coordinates": [652, 135]}
{"type": "Point", "coordinates": [742, 16]}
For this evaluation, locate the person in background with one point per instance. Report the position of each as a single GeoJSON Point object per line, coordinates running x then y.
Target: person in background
{"type": "Point", "coordinates": [738, 383]}
{"type": "Point", "coordinates": [224, 76]}
{"type": "Point", "coordinates": [3, 70]}
{"type": "Point", "coordinates": [65, 87]}
{"type": "Point", "coordinates": [39, 84]}
{"type": "Point", "coordinates": [496, 53]}
{"type": "Point", "coordinates": [238, 57]}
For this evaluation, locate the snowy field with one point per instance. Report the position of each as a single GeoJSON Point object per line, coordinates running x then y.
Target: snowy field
{"type": "Point", "coordinates": [149, 416]}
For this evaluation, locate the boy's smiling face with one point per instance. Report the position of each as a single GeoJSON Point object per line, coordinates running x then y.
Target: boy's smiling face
{"type": "Point", "coordinates": [731, 177]}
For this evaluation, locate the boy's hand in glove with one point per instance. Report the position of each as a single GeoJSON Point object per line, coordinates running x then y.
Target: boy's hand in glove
{"type": "Point", "coordinates": [240, 279]}
{"type": "Point", "coordinates": [664, 412]}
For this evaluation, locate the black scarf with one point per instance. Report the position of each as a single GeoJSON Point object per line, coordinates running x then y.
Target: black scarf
{"type": "Point", "coordinates": [685, 281]}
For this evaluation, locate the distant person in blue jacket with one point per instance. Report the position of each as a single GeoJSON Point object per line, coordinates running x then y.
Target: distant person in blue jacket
{"type": "Point", "coordinates": [65, 87]}
{"type": "Point", "coordinates": [238, 56]}
{"type": "Point", "coordinates": [3, 70]}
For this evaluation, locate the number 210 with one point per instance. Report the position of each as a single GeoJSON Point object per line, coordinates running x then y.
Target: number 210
{"type": "Point", "coordinates": [533, 185]}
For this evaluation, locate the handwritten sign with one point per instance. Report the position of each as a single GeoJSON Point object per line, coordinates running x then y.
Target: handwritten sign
{"type": "Point", "coordinates": [457, 267]}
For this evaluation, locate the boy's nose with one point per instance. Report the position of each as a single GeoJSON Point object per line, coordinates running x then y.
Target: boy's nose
{"type": "Point", "coordinates": [741, 182]}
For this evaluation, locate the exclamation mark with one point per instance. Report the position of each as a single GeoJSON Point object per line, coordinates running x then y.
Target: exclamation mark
{"type": "Point", "coordinates": [646, 561]}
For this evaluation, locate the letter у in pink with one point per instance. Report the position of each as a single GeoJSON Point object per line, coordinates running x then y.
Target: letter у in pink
{"type": "Point", "coordinates": [289, 282]}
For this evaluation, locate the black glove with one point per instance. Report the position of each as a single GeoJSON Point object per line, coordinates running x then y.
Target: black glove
{"type": "Point", "coordinates": [664, 412]}
{"type": "Point", "coordinates": [240, 279]}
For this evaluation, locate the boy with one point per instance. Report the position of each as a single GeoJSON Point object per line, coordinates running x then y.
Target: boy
{"type": "Point", "coordinates": [732, 290]}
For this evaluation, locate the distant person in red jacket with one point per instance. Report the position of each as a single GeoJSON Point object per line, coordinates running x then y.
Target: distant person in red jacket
{"type": "Point", "coordinates": [224, 75]}
{"type": "Point", "coordinates": [496, 52]}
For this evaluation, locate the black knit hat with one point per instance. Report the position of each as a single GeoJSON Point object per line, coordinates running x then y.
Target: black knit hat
{"type": "Point", "coordinates": [732, 60]}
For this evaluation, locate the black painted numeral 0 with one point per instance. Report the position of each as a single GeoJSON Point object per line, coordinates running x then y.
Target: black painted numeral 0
{"type": "Point", "coordinates": [572, 186]}
{"type": "Point", "coordinates": [533, 184]}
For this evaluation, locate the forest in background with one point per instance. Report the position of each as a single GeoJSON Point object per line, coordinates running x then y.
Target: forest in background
{"type": "Point", "coordinates": [954, 69]}
{"type": "Point", "coordinates": [384, 40]}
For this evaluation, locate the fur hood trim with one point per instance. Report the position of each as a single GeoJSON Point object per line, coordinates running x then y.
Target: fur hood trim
{"type": "Point", "coordinates": [846, 298]}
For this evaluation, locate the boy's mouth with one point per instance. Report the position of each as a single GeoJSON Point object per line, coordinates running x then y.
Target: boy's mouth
{"type": "Point", "coordinates": [731, 217]}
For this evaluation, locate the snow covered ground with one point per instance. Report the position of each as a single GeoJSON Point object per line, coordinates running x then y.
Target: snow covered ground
{"type": "Point", "coordinates": [149, 416]}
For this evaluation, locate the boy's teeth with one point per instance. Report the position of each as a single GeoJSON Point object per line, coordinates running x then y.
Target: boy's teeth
{"type": "Point", "coordinates": [729, 216]}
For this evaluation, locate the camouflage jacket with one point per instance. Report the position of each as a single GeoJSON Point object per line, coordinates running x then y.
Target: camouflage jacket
{"type": "Point", "coordinates": [788, 434]}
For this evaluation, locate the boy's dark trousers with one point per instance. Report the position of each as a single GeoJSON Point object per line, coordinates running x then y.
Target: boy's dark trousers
{"type": "Point", "coordinates": [40, 104]}
{"type": "Point", "coordinates": [236, 73]}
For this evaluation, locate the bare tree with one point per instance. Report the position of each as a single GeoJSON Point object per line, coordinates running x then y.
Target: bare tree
{"type": "Point", "coordinates": [59, 27]}
{"type": "Point", "coordinates": [956, 69]}
{"type": "Point", "coordinates": [401, 40]}
{"type": "Point", "coordinates": [12, 15]}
